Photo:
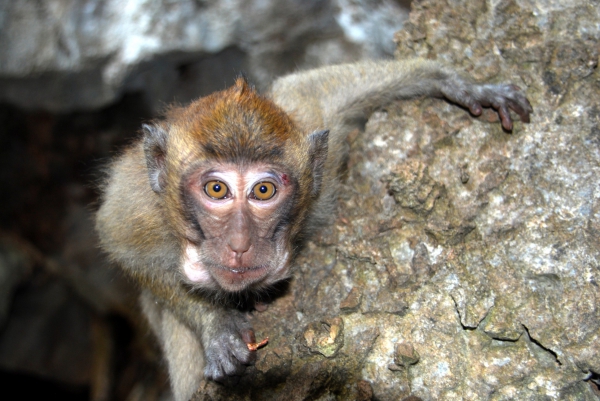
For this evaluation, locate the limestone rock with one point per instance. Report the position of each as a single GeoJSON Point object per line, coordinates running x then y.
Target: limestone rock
{"type": "Point", "coordinates": [68, 55]}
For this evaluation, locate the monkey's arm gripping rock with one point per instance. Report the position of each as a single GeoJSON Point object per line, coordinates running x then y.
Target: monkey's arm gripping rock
{"type": "Point", "coordinates": [334, 96]}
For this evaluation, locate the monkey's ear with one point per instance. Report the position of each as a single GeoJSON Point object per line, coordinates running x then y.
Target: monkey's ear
{"type": "Point", "coordinates": [317, 155]}
{"type": "Point", "coordinates": [155, 149]}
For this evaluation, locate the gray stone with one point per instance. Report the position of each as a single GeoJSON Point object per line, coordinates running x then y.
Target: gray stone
{"type": "Point", "coordinates": [63, 55]}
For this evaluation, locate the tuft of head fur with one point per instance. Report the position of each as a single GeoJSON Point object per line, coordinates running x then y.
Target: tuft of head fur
{"type": "Point", "coordinates": [235, 125]}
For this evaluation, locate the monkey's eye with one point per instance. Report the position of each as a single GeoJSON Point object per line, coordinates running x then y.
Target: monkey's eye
{"type": "Point", "coordinates": [216, 189]}
{"type": "Point", "coordinates": [264, 190]}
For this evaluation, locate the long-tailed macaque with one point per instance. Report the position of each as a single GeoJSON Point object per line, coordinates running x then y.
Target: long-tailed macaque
{"type": "Point", "coordinates": [214, 202]}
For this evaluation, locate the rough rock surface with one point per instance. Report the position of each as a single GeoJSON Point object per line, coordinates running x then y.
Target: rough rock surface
{"type": "Point", "coordinates": [62, 55]}
{"type": "Point", "coordinates": [463, 264]}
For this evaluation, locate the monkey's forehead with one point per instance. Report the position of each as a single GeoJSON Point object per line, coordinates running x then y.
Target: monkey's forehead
{"type": "Point", "coordinates": [237, 143]}
{"type": "Point", "coordinates": [209, 166]}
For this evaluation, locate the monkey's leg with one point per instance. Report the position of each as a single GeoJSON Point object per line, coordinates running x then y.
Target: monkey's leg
{"type": "Point", "coordinates": [181, 348]}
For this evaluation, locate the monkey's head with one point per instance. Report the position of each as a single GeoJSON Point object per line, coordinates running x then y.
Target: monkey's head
{"type": "Point", "coordinates": [237, 180]}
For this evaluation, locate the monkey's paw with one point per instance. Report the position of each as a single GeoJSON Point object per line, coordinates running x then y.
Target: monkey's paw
{"type": "Point", "coordinates": [226, 351]}
{"type": "Point", "coordinates": [500, 97]}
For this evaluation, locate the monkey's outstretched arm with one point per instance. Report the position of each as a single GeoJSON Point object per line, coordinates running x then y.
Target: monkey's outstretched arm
{"type": "Point", "coordinates": [336, 95]}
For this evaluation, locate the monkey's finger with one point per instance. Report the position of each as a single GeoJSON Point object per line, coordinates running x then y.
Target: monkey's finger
{"type": "Point", "coordinates": [248, 336]}
{"type": "Point", "coordinates": [505, 117]}
{"type": "Point", "coordinates": [214, 371]}
{"type": "Point", "coordinates": [222, 377]}
{"type": "Point", "coordinates": [523, 114]}
{"type": "Point", "coordinates": [469, 100]}
{"type": "Point", "coordinates": [238, 347]}
{"type": "Point", "coordinates": [475, 109]}
{"type": "Point", "coordinates": [232, 366]}
{"type": "Point", "coordinates": [517, 101]}
{"type": "Point", "coordinates": [466, 99]}
{"type": "Point", "coordinates": [522, 107]}
{"type": "Point", "coordinates": [241, 352]}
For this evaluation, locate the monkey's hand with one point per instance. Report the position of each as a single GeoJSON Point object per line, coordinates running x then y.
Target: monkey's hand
{"type": "Point", "coordinates": [501, 98]}
{"type": "Point", "coordinates": [226, 351]}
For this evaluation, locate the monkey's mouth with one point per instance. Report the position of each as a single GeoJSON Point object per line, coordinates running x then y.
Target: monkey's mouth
{"type": "Point", "coordinates": [240, 274]}
{"type": "Point", "coordinates": [241, 270]}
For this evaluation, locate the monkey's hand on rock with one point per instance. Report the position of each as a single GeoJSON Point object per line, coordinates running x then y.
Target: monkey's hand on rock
{"type": "Point", "coordinates": [225, 349]}
{"type": "Point", "coordinates": [501, 98]}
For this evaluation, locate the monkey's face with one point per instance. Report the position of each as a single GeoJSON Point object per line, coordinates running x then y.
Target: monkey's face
{"type": "Point", "coordinates": [236, 180]}
{"type": "Point", "coordinates": [238, 213]}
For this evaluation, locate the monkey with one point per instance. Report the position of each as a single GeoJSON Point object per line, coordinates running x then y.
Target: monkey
{"type": "Point", "coordinates": [213, 203]}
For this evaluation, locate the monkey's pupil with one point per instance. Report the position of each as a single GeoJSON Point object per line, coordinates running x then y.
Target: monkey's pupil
{"type": "Point", "coordinates": [263, 189]}
{"type": "Point", "coordinates": [217, 188]}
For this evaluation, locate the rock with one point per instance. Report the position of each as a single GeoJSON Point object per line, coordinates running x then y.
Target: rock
{"type": "Point", "coordinates": [72, 55]}
{"type": "Point", "coordinates": [405, 355]}
{"type": "Point", "coordinates": [352, 301]}
{"type": "Point", "coordinates": [325, 337]}
{"type": "Point", "coordinates": [365, 392]}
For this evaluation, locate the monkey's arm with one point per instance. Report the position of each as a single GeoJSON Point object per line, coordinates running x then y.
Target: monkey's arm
{"type": "Point", "coordinates": [332, 96]}
{"type": "Point", "coordinates": [223, 332]}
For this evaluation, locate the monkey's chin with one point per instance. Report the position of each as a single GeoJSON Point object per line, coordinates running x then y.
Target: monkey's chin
{"type": "Point", "coordinates": [232, 279]}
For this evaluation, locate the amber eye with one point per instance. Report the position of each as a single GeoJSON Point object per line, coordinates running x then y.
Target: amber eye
{"type": "Point", "coordinates": [264, 190]}
{"type": "Point", "coordinates": [216, 189]}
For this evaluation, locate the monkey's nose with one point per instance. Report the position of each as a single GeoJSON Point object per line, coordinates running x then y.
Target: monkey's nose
{"type": "Point", "coordinates": [239, 235]}
{"type": "Point", "coordinates": [239, 245]}
{"type": "Point", "coordinates": [239, 254]}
